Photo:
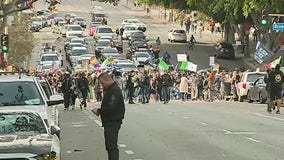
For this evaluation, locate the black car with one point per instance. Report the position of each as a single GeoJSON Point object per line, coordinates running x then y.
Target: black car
{"type": "Point", "coordinates": [224, 50]}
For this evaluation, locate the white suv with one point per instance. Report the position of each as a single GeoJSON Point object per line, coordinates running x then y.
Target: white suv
{"type": "Point", "coordinates": [247, 79]}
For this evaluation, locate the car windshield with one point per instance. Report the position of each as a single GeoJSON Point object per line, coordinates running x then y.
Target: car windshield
{"type": "Point", "coordinates": [78, 41]}
{"type": "Point", "coordinates": [99, 15]}
{"type": "Point", "coordinates": [110, 50]}
{"type": "Point", "coordinates": [144, 55]}
{"type": "Point", "coordinates": [122, 66]}
{"type": "Point", "coordinates": [49, 58]}
{"type": "Point", "coordinates": [179, 31]}
{"type": "Point", "coordinates": [37, 19]}
{"type": "Point", "coordinates": [253, 77]}
{"type": "Point", "coordinates": [21, 123]}
{"type": "Point", "coordinates": [74, 28]}
{"type": "Point", "coordinates": [129, 28]}
{"type": "Point", "coordinates": [79, 19]}
{"type": "Point", "coordinates": [105, 30]}
{"type": "Point", "coordinates": [103, 43]}
{"type": "Point", "coordinates": [19, 94]}
{"type": "Point", "coordinates": [79, 52]}
{"type": "Point", "coordinates": [76, 35]}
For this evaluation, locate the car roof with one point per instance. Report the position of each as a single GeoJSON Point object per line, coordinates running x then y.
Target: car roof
{"type": "Point", "coordinates": [49, 54]}
{"type": "Point", "coordinates": [16, 77]}
{"type": "Point", "coordinates": [79, 48]}
{"type": "Point", "coordinates": [104, 26]}
{"type": "Point", "coordinates": [105, 40]}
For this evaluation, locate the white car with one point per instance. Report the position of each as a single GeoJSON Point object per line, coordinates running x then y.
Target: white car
{"type": "Point", "coordinates": [51, 59]}
{"type": "Point", "coordinates": [177, 35]}
{"type": "Point", "coordinates": [245, 83]}
{"type": "Point", "coordinates": [25, 135]}
{"type": "Point", "coordinates": [103, 43]}
{"type": "Point", "coordinates": [128, 29]}
{"type": "Point", "coordinates": [142, 57]}
{"type": "Point", "coordinates": [137, 23]}
{"type": "Point", "coordinates": [75, 33]}
{"type": "Point", "coordinates": [104, 31]}
{"type": "Point", "coordinates": [126, 66]}
{"type": "Point", "coordinates": [76, 53]}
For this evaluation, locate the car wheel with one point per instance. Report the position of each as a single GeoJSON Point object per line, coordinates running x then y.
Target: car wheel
{"type": "Point", "coordinates": [249, 98]}
{"type": "Point", "coordinates": [168, 39]}
{"type": "Point", "coordinates": [172, 41]}
{"type": "Point", "coordinates": [261, 98]}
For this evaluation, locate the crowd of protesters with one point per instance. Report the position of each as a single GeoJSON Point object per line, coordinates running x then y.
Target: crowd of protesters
{"type": "Point", "coordinates": [145, 86]}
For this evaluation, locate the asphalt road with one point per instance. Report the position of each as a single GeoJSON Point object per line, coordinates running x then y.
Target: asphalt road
{"type": "Point", "coordinates": [179, 131]}
{"type": "Point", "coordinates": [200, 55]}
{"type": "Point", "coordinates": [176, 131]}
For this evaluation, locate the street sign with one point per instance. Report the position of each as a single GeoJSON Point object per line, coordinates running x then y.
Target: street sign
{"type": "Point", "coordinates": [278, 27]}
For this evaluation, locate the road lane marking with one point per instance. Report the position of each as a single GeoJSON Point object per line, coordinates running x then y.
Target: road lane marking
{"type": "Point", "coordinates": [129, 152]}
{"type": "Point", "coordinates": [79, 125]}
{"type": "Point", "coordinates": [99, 123]}
{"type": "Point", "coordinates": [137, 159]}
{"type": "Point", "coordinates": [203, 123]}
{"type": "Point", "coordinates": [122, 145]}
{"type": "Point", "coordinates": [79, 122]}
{"type": "Point", "coordinates": [239, 133]}
{"type": "Point", "coordinates": [265, 116]}
{"type": "Point", "coordinates": [254, 140]}
{"type": "Point", "coordinates": [68, 152]}
{"type": "Point", "coordinates": [93, 118]}
{"type": "Point", "coordinates": [227, 131]}
{"type": "Point", "coordinates": [185, 117]}
{"type": "Point", "coordinates": [170, 113]}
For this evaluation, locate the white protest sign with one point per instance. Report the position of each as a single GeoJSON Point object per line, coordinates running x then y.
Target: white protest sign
{"type": "Point", "coordinates": [211, 61]}
{"type": "Point", "coordinates": [181, 57]}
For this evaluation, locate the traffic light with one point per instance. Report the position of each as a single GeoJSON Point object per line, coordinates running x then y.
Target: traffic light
{"type": "Point", "coordinates": [264, 17]}
{"type": "Point", "coordinates": [5, 42]}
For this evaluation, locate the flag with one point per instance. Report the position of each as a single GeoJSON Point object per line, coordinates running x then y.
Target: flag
{"type": "Point", "coordinates": [163, 65]}
{"type": "Point", "coordinates": [273, 63]}
{"type": "Point", "coordinates": [184, 65]}
{"type": "Point", "coordinates": [105, 63]}
{"type": "Point", "coordinates": [54, 67]}
{"type": "Point", "coordinates": [93, 60]}
{"type": "Point", "coordinates": [192, 67]}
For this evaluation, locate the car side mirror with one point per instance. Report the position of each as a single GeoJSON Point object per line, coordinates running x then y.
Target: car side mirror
{"type": "Point", "coordinates": [55, 99]}
{"type": "Point", "coordinates": [55, 130]}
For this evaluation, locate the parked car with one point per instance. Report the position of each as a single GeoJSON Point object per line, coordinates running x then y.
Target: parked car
{"type": "Point", "coordinates": [244, 85]}
{"type": "Point", "coordinates": [24, 135]}
{"type": "Point", "coordinates": [104, 31]}
{"type": "Point", "coordinates": [177, 35]}
{"type": "Point", "coordinates": [224, 50]}
{"type": "Point", "coordinates": [98, 16]}
{"type": "Point", "coordinates": [49, 59]}
{"type": "Point", "coordinates": [257, 91]}
{"type": "Point", "coordinates": [76, 53]}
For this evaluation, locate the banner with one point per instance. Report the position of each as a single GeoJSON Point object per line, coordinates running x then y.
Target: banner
{"type": "Point", "coordinates": [262, 54]}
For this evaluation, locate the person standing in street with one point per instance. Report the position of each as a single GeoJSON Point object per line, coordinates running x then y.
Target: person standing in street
{"type": "Point", "coordinates": [130, 87]}
{"type": "Point", "coordinates": [270, 103]}
{"type": "Point", "coordinates": [276, 79]}
{"type": "Point", "coordinates": [66, 89]}
{"type": "Point", "coordinates": [112, 113]}
{"type": "Point", "coordinates": [166, 81]}
{"type": "Point", "coordinates": [83, 85]}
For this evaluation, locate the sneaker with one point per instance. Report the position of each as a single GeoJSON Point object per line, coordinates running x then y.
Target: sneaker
{"type": "Point", "coordinates": [278, 112]}
{"type": "Point", "coordinates": [269, 110]}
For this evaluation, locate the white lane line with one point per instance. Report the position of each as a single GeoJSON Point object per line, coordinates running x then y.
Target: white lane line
{"type": "Point", "coordinates": [69, 152]}
{"type": "Point", "coordinates": [137, 159]}
{"type": "Point", "coordinates": [122, 145]}
{"type": "Point", "coordinates": [203, 123]}
{"type": "Point", "coordinates": [99, 123]}
{"type": "Point", "coordinates": [254, 140]}
{"type": "Point", "coordinates": [185, 117]}
{"type": "Point", "coordinates": [93, 118]}
{"type": "Point", "coordinates": [129, 152]}
{"type": "Point", "coordinates": [170, 113]}
{"type": "Point", "coordinates": [79, 122]}
{"type": "Point", "coordinates": [227, 131]}
{"type": "Point", "coordinates": [265, 116]}
{"type": "Point", "coordinates": [79, 125]}
{"type": "Point", "coordinates": [90, 116]}
{"type": "Point", "coordinates": [239, 133]}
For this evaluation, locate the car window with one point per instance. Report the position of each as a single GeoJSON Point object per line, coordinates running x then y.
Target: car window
{"type": "Point", "coordinates": [19, 94]}
{"type": "Point", "coordinates": [253, 77]}
{"type": "Point", "coordinates": [79, 52]}
{"type": "Point", "coordinates": [74, 28]}
{"type": "Point", "coordinates": [46, 88]}
{"type": "Point", "coordinates": [49, 58]}
{"type": "Point", "coordinates": [103, 43]}
{"type": "Point", "coordinates": [99, 15]}
{"type": "Point", "coordinates": [21, 122]}
{"type": "Point", "coordinates": [179, 31]}
{"type": "Point", "coordinates": [105, 30]}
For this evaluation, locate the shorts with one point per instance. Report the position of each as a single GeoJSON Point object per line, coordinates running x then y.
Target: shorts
{"type": "Point", "coordinates": [275, 93]}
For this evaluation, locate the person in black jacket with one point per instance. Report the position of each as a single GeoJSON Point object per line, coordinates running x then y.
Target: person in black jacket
{"type": "Point", "coordinates": [66, 89]}
{"type": "Point", "coordinates": [112, 113]}
{"type": "Point", "coordinates": [276, 79]}
{"type": "Point", "coordinates": [83, 86]}
{"type": "Point", "coordinates": [166, 82]}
